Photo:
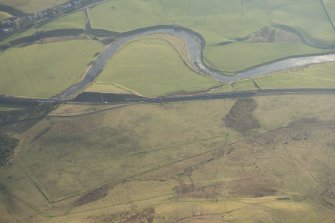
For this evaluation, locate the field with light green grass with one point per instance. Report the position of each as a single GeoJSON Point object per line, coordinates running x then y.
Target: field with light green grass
{"type": "Point", "coordinates": [316, 76]}
{"type": "Point", "coordinates": [152, 67]}
{"type": "Point", "coordinates": [205, 161]}
{"type": "Point", "coordinates": [241, 56]}
{"type": "Point", "coordinates": [29, 6]}
{"type": "Point", "coordinates": [43, 70]}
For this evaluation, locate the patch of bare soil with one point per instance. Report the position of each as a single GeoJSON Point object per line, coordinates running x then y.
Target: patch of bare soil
{"type": "Point", "coordinates": [142, 216]}
{"type": "Point", "coordinates": [91, 196]}
{"type": "Point", "coordinates": [240, 117]}
{"type": "Point", "coordinates": [271, 34]}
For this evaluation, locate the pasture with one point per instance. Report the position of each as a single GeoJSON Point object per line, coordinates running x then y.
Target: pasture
{"type": "Point", "coordinates": [316, 76]}
{"type": "Point", "coordinates": [43, 70]}
{"type": "Point", "coordinates": [237, 57]}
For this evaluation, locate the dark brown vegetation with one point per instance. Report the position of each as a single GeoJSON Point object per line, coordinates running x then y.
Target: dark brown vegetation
{"type": "Point", "coordinates": [240, 117]}
{"type": "Point", "coordinates": [271, 34]}
{"type": "Point", "coordinates": [91, 196]}
{"type": "Point", "coordinates": [135, 216]}
{"type": "Point", "coordinates": [7, 146]}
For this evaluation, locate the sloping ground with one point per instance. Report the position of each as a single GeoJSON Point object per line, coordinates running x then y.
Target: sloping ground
{"type": "Point", "coordinates": [43, 70]}
{"type": "Point", "coordinates": [151, 67]}
{"type": "Point", "coordinates": [176, 162]}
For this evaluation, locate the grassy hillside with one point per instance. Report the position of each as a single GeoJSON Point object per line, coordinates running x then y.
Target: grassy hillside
{"type": "Point", "coordinates": [151, 67]}
{"type": "Point", "coordinates": [177, 162]}
{"type": "Point", "coordinates": [43, 70]}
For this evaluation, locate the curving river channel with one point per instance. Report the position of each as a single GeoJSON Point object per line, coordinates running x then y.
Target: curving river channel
{"type": "Point", "coordinates": [195, 44]}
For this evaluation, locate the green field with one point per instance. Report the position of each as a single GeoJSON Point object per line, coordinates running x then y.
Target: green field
{"type": "Point", "coordinates": [316, 76]}
{"type": "Point", "coordinates": [240, 56]}
{"type": "Point", "coordinates": [152, 67]}
{"type": "Point", "coordinates": [29, 6]}
{"type": "Point", "coordinates": [268, 173]}
{"type": "Point", "coordinates": [219, 21]}
{"type": "Point", "coordinates": [43, 70]}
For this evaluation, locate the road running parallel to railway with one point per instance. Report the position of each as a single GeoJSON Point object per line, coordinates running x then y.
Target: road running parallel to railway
{"type": "Point", "coordinates": [108, 98]}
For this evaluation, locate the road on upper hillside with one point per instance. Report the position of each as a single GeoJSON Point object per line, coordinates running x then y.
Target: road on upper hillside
{"type": "Point", "coordinates": [195, 44]}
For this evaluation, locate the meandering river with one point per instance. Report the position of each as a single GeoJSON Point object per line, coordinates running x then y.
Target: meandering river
{"type": "Point", "coordinates": [195, 44]}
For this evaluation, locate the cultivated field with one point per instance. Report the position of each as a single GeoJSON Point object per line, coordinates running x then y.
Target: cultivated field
{"type": "Point", "coordinates": [230, 160]}
{"type": "Point", "coordinates": [43, 70]}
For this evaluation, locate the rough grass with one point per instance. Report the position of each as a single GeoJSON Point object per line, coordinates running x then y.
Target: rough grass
{"type": "Point", "coordinates": [276, 176]}
{"type": "Point", "coordinates": [29, 6]}
{"type": "Point", "coordinates": [240, 56]}
{"type": "Point", "coordinates": [43, 70]}
{"type": "Point", "coordinates": [152, 68]}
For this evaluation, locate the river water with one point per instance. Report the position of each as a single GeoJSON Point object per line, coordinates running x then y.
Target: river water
{"type": "Point", "coordinates": [195, 45]}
